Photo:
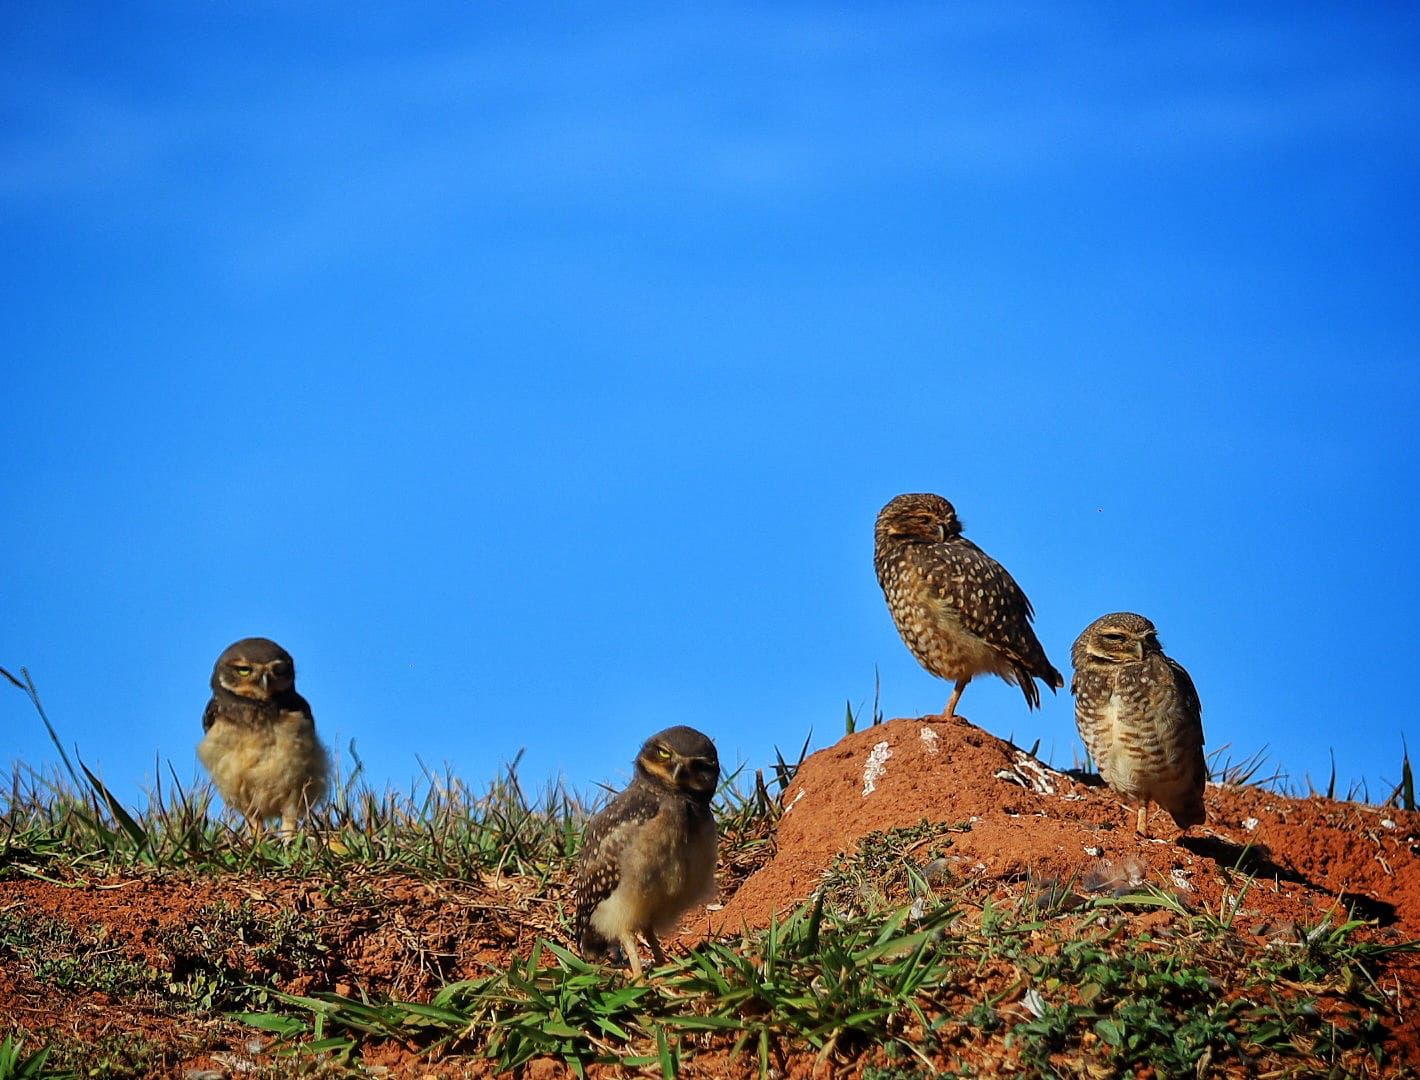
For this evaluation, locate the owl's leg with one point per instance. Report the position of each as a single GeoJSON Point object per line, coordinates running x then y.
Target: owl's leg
{"type": "Point", "coordinates": [633, 954]}
{"type": "Point", "coordinates": [1141, 820]}
{"type": "Point", "coordinates": [289, 817]}
{"type": "Point", "coordinates": [656, 950]}
{"type": "Point", "coordinates": [951, 709]}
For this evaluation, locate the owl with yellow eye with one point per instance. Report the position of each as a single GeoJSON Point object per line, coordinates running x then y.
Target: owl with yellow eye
{"type": "Point", "coordinates": [260, 742]}
{"type": "Point", "coordinates": [649, 856]}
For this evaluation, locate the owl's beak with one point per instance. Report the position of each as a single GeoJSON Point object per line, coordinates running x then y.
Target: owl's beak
{"type": "Point", "coordinates": [675, 773]}
{"type": "Point", "coordinates": [264, 676]}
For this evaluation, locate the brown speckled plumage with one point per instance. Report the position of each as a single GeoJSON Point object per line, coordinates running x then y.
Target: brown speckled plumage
{"type": "Point", "coordinates": [260, 740]}
{"type": "Point", "coordinates": [956, 607]}
{"type": "Point", "coordinates": [649, 855]}
{"type": "Point", "coordinates": [1139, 715]}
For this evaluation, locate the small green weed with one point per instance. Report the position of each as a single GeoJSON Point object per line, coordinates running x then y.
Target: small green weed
{"type": "Point", "coordinates": [15, 1064]}
{"type": "Point", "coordinates": [213, 963]}
{"type": "Point", "coordinates": [54, 953]}
{"type": "Point", "coordinates": [120, 1056]}
{"type": "Point", "coordinates": [1404, 794]}
{"type": "Point", "coordinates": [889, 867]}
{"type": "Point", "coordinates": [841, 986]}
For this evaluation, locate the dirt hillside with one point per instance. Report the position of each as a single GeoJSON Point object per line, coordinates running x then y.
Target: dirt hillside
{"type": "Point", "coordinates": [1021, 821]}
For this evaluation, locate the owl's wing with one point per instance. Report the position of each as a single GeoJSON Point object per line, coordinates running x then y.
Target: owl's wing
{"type": "Point", "coordinates": [1186, 742]}
{"type": "Point", "coordinates": [1189, 693]}
{"type": "Point", "coordinates": [991, 606]}
{"type": "Point", "coordinates": [209, 715]}
{"type": "Point", "coordinates": [291, 701]}
{"type": "Point", "coordinates": [599, 867]}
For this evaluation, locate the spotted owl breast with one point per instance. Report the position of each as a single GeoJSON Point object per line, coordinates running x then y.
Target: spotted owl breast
{"type": "Point", "coordinates": [1138, 732]}
{"type": "Point", "coordinates": [920, 599]}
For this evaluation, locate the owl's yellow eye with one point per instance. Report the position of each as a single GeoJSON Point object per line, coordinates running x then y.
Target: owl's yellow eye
{"type": "Point", "coordinates": [242, 669]}
{"type": "Point", "coordinates": [663, 753]}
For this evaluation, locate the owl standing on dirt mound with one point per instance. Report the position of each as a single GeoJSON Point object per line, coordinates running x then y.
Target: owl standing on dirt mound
{"type": "Point", "coordinates": [649, 856]}
{"type": "Point", "coordinates": [955, 606]}
{"type": "Point", "coordinates": [260, 744]}
{"type": "Point", "coordinates": [1140, 717]}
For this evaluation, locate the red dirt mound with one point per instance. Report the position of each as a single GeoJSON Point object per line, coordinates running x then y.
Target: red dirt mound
{"type": "Point", "coordinates": [1024, 821]}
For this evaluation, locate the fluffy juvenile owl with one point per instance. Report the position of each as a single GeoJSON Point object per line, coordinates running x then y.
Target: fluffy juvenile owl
{"type": "Point", "coordinates": [649, 856]}
{"type": "Point", "coordinates": [1140, 717]}
{"type": "Point", "coordinates": [955, 606]}
{"type": "Point", "coordinates": [260, 744]}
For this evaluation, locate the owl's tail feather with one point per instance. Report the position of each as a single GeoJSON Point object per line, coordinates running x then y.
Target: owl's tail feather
{"type": "Point", "coordinates": [1025, 679]}
{"type": "Point", "coordinates": [1190, 812]}
{"type": "Point", "coordinates": [1028, 686]}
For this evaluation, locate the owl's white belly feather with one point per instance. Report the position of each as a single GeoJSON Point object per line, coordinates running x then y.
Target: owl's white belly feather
{"type": "Point", "coordinates": [1116, 763]}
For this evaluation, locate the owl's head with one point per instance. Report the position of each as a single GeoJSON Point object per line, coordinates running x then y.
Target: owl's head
{"type": "Point", "coordinates": [1118, 638]}
{"type": "Point", "coordinates": [255, 668]}
{"type": "Point", "coordinates": [922, 518]}
{"type": "Point", "coordinates": [681, 759]}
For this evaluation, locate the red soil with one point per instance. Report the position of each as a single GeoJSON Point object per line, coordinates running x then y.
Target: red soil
{"type": "Point", "coordinates": [1307, 857]}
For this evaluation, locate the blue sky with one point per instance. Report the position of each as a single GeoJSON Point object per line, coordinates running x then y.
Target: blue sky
{"type": "Point", "coordinates": [535, 375]}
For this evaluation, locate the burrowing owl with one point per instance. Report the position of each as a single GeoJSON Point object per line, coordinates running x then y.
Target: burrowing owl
{"type": "Point", "coordinates": [260, 744]}
{"type": "Point", "coordinates": [649, 856]}
{"type": "Point", "coordinates": [1140, 717]}
{"type": "Point", "coordinates": [955, 606]}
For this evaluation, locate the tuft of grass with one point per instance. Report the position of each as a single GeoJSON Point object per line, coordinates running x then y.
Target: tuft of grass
{"type": "Point", "coordinates": [208, 966]}
{"type": "Point", "coordinates": [55, 954]}
{"type": "Point", "coordinates": [15, 1064]}
{"type": "Point", "coordinates": [888, 868]}
{"type": "Point", "coordinates": [850, 720]}
{"type": "Point", "coordinates": [211, 963]}
{"type": "Point", "coordinates": [440, 828]}
{"type": "Point", "coordinates": [1222, 769]}
{"type": "Point", "coordinates": [1252, 771]}
{"type": "Point", "coordinates": [1404, 794]}
{"type": "Point", "coordinates": [111, 1055]}
{"type": "Point", "coordinates": [784, 771]}
{"type": "Point", "coordinates": [1126, 1007]}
